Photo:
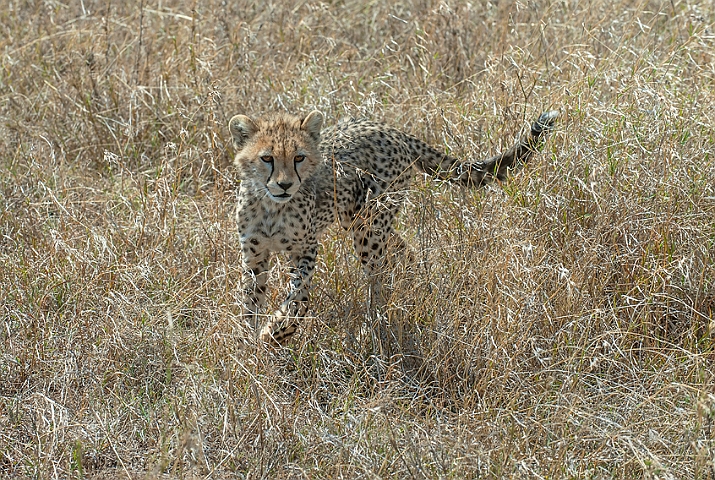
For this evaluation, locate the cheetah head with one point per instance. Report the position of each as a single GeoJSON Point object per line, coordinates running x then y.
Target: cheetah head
{"type": "Point", "coordinates": [277, 152]}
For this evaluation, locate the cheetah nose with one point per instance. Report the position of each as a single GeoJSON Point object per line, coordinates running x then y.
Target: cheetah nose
{"type": "Point", "coordinates": [285, 185]}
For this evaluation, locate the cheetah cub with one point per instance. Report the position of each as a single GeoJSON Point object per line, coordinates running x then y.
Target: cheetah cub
{"type": "Point", "coordinates": [297, 180]}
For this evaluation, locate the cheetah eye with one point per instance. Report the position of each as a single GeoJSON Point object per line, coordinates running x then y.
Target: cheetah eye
{"type": "Point", "coordinates": [299, 158]}
{"type": "Point", "coordinates": [267, 158]}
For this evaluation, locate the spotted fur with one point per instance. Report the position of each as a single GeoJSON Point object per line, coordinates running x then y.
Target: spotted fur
{"type": "Point", "coordinates": [295, 184]}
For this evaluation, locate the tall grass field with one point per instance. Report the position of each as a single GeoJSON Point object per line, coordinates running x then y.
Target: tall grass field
{"type": "Point", "coordinates": [557, 325]}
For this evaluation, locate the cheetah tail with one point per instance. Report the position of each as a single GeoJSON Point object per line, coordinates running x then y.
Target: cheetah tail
{"type": "Point", "coordinates": [498, 165]}
{"type": "Point", "coordinates": [479, 173]}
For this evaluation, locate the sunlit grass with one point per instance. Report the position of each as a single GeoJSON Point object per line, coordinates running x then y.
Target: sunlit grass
{"type": "Point", "coordinates": [558, 325]}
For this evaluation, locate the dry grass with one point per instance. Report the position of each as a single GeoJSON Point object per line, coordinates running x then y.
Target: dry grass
{"type": "Point", "coordinates": [558, 326]}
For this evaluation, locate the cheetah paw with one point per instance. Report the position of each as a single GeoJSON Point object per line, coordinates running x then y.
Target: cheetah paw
{"type": "Point", "coordinates": [278, 329]}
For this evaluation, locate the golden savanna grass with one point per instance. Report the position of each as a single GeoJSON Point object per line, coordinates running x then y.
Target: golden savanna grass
{"type": "Point", "coordinates": [558, 325]}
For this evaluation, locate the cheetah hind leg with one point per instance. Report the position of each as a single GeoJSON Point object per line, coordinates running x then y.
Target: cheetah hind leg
{"type": "Point", "coordinates": [399, 262]}
{"type": "Point", "coordinates": [387, 276]}
{"type": "Point", "coordinates": [381, 270]}
{"type": "Point", "coordinates": [402, 256]}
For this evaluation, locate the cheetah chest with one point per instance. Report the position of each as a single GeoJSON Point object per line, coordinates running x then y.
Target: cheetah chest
{"type": "Point", "coordinates": [275, 229]}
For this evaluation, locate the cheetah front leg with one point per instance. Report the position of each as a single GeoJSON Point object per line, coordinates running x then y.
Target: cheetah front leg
{"type": "Point", "coordinates": [284, 322]}
{"type": "Point", "coordinates": [253, 289]}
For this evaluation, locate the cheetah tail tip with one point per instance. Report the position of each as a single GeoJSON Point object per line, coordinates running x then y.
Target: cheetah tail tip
{"type": "Point", "coordinates": [545, 122]}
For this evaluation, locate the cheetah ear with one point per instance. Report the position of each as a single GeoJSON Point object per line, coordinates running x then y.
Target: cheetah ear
{"type": "Point", "coordinates": [242, 128]}
{"type": "Point", "coordinates": [312, 124]}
